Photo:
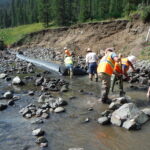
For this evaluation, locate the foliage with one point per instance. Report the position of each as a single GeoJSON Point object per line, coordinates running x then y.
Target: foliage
{"type": "Point", "coordinates": [67, 12]}
{"type": "Point", "coordinates": [11, 35]}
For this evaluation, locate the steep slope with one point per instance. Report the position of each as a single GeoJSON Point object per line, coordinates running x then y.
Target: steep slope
{"type": "Point", "coordinates": [126, 37]}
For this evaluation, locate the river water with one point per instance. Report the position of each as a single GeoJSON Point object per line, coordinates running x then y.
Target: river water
{"type": "Point", "coordinates": [68, 130]}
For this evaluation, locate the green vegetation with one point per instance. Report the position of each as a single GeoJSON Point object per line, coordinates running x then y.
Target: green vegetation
{"type": "Point", "coordinates": [11, 35]}
{"type": "Point", "coordinates": [145, 53]}
{"type": "Point", "coordinates": [68, 12]}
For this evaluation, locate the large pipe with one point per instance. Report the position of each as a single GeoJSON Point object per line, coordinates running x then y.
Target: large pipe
{"type": "Point", "coordinates": [60, 69]}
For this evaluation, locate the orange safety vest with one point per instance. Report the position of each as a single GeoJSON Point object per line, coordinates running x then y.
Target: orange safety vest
{"type": "Point", "coordinates": [124, 61]}
{"type": "Point", "coordinates": [106, 65]}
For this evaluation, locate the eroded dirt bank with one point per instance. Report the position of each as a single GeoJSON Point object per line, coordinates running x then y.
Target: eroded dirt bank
{"type": "Point", "coordinates": [127, 37]}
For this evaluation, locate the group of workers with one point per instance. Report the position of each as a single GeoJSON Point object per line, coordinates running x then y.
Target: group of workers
{"type": "Point", "coordinates": [110, 65]}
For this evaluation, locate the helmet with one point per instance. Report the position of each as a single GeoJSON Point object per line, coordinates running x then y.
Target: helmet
{"type": "Point", "coordinates": [89, 50]}
{"type": "Point", "coordinates": [132, 59]}
{"type": "Point", "coordinates": [65, 48]}
{"type": "Point", "coordinates": [111, 49]}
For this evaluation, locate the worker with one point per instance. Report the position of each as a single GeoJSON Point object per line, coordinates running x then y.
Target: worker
{"type": "Point", "coordinates": [121, 69]}
{"type": "Point", "coordinates": [69, 64]}
{"type": "Point", "coordinates": [105, 70]}
{"type": "Point", "coordinates": [67, 52]}
{"type": "Point", "coordinates": [91, 60]}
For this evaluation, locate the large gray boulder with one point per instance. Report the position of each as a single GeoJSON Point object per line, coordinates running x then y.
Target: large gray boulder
{"type": "Point", "coordinates": [127, 112]}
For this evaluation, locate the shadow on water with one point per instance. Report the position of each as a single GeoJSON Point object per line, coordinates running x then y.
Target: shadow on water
{"type": "Point", "coordinates": [68, 129]}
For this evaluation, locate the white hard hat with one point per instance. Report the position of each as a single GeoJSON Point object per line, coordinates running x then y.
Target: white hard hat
{"type": "Point", "coordinates": [88, 50]}
{"type": "Point", "coordinates": [132, 59]}
{"type": "Point", "coordinates": [65, 48]}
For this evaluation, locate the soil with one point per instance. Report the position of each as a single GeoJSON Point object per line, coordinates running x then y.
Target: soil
{"type": "Point", "coordinates": [127, 37]}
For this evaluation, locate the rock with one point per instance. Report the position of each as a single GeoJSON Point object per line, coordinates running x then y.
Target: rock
{"type": "Point", "coordinates": [3, 106]}
{"type": "Point", "coordinates": [45, 116]}
{"type": "Point", "coordinates": [39, 81]}
{"type": "Point", "coordinates": [28, 115]}
{"type": "Point", "coordinates": [41, 140]}
{"type": "Point", "coordinates": [8, 78]}
{"type": "Point", "coordinates": [17, 81]}
{"type": "Point", "coordinates": [106, 113]}
{"type": "Point", "coordinates": [25, 111]}
{"type": "Point", "coordinates": [39, 112]}
{"type": "Point", "coordinates": [103, 120]}
{"type": "Point", "coordinates": [8, 95]}
{"type": "Point", "coordinates": [86, 120]}
{"type": "Point", "coordinates": [146, 111]}
{"type": "Point", "coordinates": [31, 93]}
{"type": "Point", "coordinates": [11, 102]}
{"type": "Point", "coordinates": [38, 132]}
{"type": "Point", "coordinates": [121, 100]}
{"type": "Point", "coordinates": [76, 149]}
{"type": "Point", "coordinates": [59, 110]}
{"type": "Point", "coordinates": [3, 76]}
{"type": "Point", "coordinates": [131, 125]}
{"type": "Point", "coordinates": [64, 88]}
{"type": "Point", "coordinates": [44, 99]}
{"type": "Point", "coordinates": [114, 106]}
{"type": "Point", "coordinates": [128, 111]}
{"type": "Point", "coordinates": [44, 145]}
{"type": "Point", "coordinates": [37, 121]}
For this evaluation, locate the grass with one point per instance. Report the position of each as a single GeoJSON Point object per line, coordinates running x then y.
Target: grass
{"type": "Point", "coordinates": [11, 35]}
{"type": "Point", "coordinates": [145, 53]}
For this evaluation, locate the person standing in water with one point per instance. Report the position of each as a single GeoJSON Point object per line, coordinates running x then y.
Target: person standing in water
{"type": "Point", "coordinates": [91, 60]}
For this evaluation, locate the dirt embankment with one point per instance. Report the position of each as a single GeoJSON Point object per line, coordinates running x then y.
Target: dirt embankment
{"type": "Point", "coordinates": [127, 37]}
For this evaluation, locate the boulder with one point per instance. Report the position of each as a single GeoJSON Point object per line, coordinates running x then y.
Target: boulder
{"type": "Point", "coordinates": [103, 120]}
{"type": "Point", "coordinates": [131, 125]}
{"type": "Point", "coordinates": [128, 111]}
{"type": "Point", "coordinates": [59, 110]}
{"type": "Point", "coordinates": [17, 81]}
{"type": "Point", "coordinates": [64, 88]}
{"type": "Point", "coordinates": [8, 95]}
{"type": "Point", "coordinates": [39, 81]}
{"type": "Point", "coordinates": [3, 76]}
{"type": "Point", "coordinates": [114, 105]}
{"type": "Point", "coordinates": [3, 106]}
{"type": "Point", "coordinates": [41, 140]}
{"type": "Point", "coordinates": [146, 111]}
{"type": "Point", "coordinates": [38, 132]}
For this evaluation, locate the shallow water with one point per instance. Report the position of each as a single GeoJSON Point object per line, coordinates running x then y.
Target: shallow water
{"type": "Point", "coordinates": [68, 130]}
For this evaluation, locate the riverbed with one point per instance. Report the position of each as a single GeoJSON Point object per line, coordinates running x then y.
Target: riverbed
{"type": "Point", "coordinates": [69, 129]}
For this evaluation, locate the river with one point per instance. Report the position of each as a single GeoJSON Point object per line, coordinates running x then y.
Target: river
{"type": "Point", "coordinates": [68, 130]}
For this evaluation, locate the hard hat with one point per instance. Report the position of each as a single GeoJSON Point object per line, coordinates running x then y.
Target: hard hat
{"type": "Point", "coordinates": [111, 49]}
{"type": "Point", "coordinates": [88, 50]}
{"type": "Point", "coordinates": [65, 48]}
{"type": "Point", "coordinates": [132, 59]}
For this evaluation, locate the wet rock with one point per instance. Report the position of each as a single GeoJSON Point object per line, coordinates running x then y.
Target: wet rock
{"type": "Point", "coordinates": [39, 112]}
{"type": "Point", "coordinates": [8, 95]}
{"type": "Point", "coordinates": [45, 116]}
{"type": "Point", "coordinates": [41, 140]}
{"type": "Point", "coordinates": [38, 132]}
{"type": "Point", "coordinates": [44, 145]}
{"type": "Point", "coordinates": [128, 111]}
{"type": "Point", "coordinates": [11, 102]}
{"type": "Point", "coordinates": [143, 80]}
{"type": "Point", "coordinates": [28, 115]}
{"type": "Point", "coordinates": [25, 111]}
{"type": "Point", "coordinates": [59, 110]}
{"type": "Point", "coordinates": [121, 100]}
{"type": "Point", "coordinates": [146, 111]}
{"type": "Point", "coordinates": [103, 120]}
{"type": "Point", "coordinates": [31, 93]}
{"type": "Point", "coordinates": [37, 121]}
{"type": "Point", "coordinates": [3, 106]}
{"type": "Point", "coordinates": [90, 109]}
{"type": "Point", "coordinates": [17, 81]}
{"type": "Point", "coordinates": [86, 120]}
{"type": "Point", "coordinates": [39, 81]}
{"type": "Point", "coordinates": [114, 105]}
{"type": "Point", "coordinates": [3, 76]}
{"type": "Point", "coordinates": [44, 99]}
{"type": "Point", "coordinates": [106, 113]}
{"type": "Point", "coordinates": [131, 125]}
{"type": "Point", "coordinates": [64, 88]}
{"type": "Point", "coordinates": [8, 78]}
